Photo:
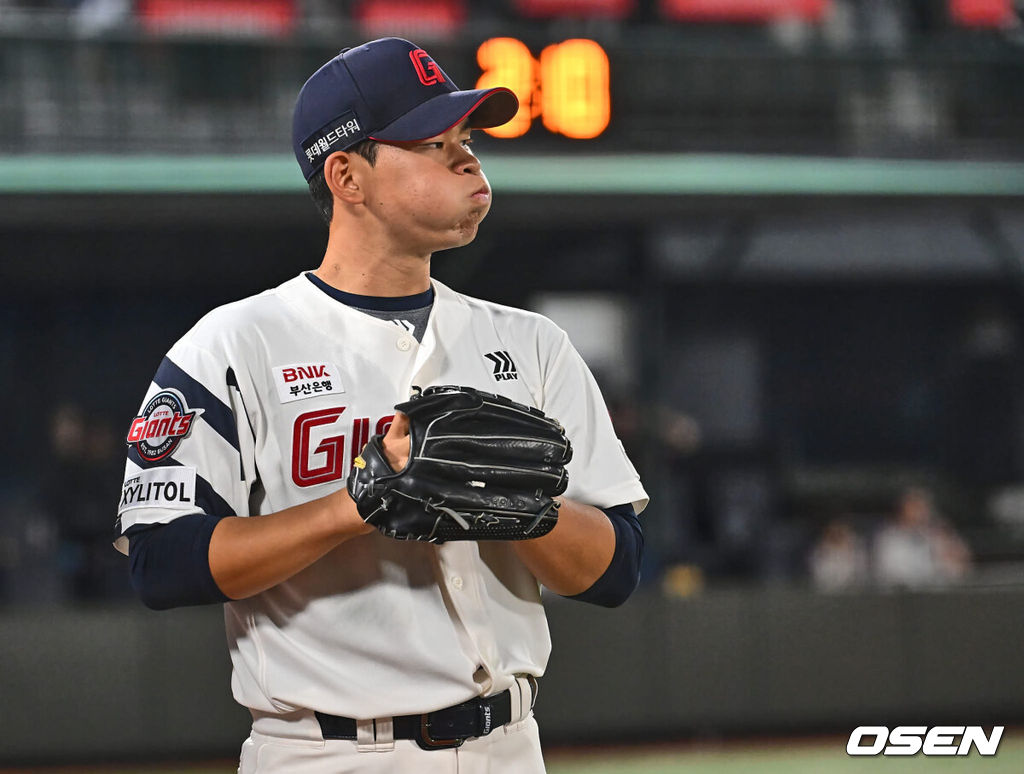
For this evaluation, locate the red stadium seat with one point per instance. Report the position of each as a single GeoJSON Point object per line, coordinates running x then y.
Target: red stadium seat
{"type": "Point", "coordinates": [981, 13]}
{"type": "Point", "coordinates": [226, 17]}
{"type": "Point", "coordinates": [408, 18]}
{"type": "Point", "coordinates": [551, 9]}
{"type": "Point", "coordinates": [742, 11]}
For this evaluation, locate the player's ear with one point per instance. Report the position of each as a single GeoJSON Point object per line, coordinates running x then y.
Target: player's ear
{"type": "Point", "coordinates": [342, 177]}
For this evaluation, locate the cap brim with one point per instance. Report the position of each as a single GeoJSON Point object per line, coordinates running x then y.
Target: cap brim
{"type": "Point", "coordinates": [483, 107]}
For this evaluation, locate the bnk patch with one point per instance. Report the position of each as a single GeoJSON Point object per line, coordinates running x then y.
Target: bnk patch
{"type": "Point", "coordinates": [307, 380]}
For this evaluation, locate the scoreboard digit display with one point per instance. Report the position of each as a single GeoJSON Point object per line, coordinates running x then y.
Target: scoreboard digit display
{"type": "Point", "coordinates": [567, 87]}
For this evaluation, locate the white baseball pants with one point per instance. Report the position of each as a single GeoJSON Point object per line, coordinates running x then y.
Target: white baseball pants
{"type": "Point", "coordinates": [293, 744]}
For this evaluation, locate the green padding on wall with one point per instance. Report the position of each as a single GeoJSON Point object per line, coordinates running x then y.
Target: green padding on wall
{"type": "Point", "coordinates": [658, 174]}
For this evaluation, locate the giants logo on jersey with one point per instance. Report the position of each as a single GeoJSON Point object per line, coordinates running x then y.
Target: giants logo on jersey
{"type": "Point", "coordinates": [163, 424]}
{"type": "Point", "coordinates": [318, 450]}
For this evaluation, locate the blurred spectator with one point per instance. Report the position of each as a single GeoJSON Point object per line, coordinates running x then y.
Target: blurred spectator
{"type": "Point", "coordinates": [918, 549]}
{"type": "Point", "coordinates": [29, 567]}
{"type": "Point", "coordinates": [661, 442]}
{"type": "Point", "coordinates": [839, 560]}
{"type": "Point", "coordinates": [94, 17]}
{"type": "Point", "coordinates": [79, 496]}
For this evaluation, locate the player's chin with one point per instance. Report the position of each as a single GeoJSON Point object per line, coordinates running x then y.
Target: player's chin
{"type": "Point", "coordinates": [466, 229]}
{"type": "Point", "coordinates": [463, 237]}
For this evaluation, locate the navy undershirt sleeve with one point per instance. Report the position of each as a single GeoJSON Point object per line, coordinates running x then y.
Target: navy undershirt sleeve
{"type": "Point", "coordinates": [170, 563]}
{"type": "Point", "coordinates": [623, 573]}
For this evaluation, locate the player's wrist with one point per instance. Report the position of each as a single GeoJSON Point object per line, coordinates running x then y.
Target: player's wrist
{"type": "Point", "coordinates": [345, 515]}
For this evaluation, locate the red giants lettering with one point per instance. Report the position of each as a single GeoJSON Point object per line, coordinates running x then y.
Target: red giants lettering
{"type": "Point", "coordinates": [331, 466]}
{"type": "Point", "coordinates": [174, 426]}
{"type": "Point", "coordinates": [331, 463]}
{"type": "Point", "coordinates": [303, 472]}
{"type": "Point", "coordinates": [383, 424]}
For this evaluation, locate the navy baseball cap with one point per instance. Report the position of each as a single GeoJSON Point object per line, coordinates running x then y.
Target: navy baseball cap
{"type": "Point", "coordinates": [389, 90]}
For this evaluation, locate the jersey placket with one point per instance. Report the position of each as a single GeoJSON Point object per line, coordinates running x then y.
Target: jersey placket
{"type": "Point", "coordinates": [459, 567]}
{"type": "Point", "coordinates": [457, 562]}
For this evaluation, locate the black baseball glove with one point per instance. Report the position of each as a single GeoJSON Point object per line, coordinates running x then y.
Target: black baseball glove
{"type": "Point", "coordinates": [481, 467]}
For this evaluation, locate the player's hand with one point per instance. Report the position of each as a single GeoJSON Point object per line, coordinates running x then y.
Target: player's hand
{"type": "Point", "coordinates": [396, 451]}
{"type": "Point", "coordinates": [461, 464]}
{"type": "Point", "coordinates": [396, 442]}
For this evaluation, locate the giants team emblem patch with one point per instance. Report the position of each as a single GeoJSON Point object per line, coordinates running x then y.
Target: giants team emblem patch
{"type": "Point", "coordinates": [164, 423]}
{"type": "Point", "coordinates": [504, 368]}
{"type": "Point", "coordinates": [306, 380]}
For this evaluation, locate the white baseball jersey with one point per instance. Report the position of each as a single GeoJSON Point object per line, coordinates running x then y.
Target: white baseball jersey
{"type": "Point", "coordinates": [264, 404]}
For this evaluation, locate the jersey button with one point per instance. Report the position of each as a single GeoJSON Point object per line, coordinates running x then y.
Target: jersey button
{"type": "Point", "coordinates": [456, 582]}
{"type": "Point", "coordinates": [404, 344]}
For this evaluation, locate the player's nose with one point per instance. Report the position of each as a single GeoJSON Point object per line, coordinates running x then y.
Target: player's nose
{"type": "Point", "coordinates": [467, 163]}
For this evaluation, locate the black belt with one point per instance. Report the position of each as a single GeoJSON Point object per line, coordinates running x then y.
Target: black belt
{"type": "Point", "coordinates": [435, 730]}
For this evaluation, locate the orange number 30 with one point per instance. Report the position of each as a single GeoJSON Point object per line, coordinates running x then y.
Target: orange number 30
{"type": "Point", "coordinates": [568, 87]}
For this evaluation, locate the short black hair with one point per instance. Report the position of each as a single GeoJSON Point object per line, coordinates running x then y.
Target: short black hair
{"type": "Point", "coordinates": [322, 196]}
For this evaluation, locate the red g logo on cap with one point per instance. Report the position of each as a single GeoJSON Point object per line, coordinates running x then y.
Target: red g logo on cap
{"type": "Point", "coordinates": [426, 68]}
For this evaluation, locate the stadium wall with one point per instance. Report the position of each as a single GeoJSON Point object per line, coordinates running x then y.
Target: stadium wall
{"type": "Point", "coordinates": [129, 683]}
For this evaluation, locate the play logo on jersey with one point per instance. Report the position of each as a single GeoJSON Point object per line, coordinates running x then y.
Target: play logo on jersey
{"type": "Point", "coordinates": [504, 368]}
{"type": "Point", "coordinates": [307, 380]}
{"type": "Point", "coordinates": [164, 423]}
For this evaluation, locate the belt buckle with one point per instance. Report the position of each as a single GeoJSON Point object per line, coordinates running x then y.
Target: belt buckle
{"type": "Point", "coordinates": [427, 742]}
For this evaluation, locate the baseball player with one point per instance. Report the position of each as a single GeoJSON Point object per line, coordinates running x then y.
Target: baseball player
{"type": "Point", "coordinates": [374, 473]}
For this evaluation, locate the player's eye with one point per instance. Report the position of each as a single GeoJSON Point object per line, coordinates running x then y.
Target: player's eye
{"type": "Point", "coordinates": [467, 142]}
